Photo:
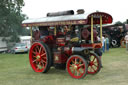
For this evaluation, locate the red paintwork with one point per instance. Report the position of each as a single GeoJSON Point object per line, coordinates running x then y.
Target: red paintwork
{"type": "Point", "coordinates": [68, 51]}
{"type": "Point", "coordinates": [48, 39]}
{"type": "Point", "coordinates": [60, 58]}
{"type": "Point", "coordinates": [62, 54]}
{"type": "Point", "coordinates": [60, 41]}
{"type": "Point", "coordinates": [106, 18]}
{"type": "Point", "coordinates": [94, 45]}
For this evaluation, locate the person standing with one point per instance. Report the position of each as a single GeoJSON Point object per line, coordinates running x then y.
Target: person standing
{"type": "Point", "coordinates": [126, 38]}
{"type": "Point", "coordinates": [98, 51]}
{"type": "Point", "coordinates": [107, 43]}
{"type": "Point", "coordinates": [103, 44]}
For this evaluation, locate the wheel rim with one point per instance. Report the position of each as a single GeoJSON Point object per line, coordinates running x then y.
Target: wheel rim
{"type": "Point", "coordinates": [38, 57]}
{"type": "Point", "coordinates": [123, 42]}
{"type": "Point", "coordinates": [93, 65]}
{"type": "Point", "coordinates": [76, 67]}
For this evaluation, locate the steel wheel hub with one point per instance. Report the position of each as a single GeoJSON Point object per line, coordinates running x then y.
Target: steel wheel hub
{"type": "Point", "coordinates": [75, 66]}
{"type": "Point", "coordinates": [38, 57]}
{"type": "Point", "coordinates": [91, 63]}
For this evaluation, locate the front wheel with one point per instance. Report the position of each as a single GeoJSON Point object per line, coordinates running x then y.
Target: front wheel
{"type": "Point", "coordinates": [77, 66]}
{"type": "Point", "coordinates": [39, 57]}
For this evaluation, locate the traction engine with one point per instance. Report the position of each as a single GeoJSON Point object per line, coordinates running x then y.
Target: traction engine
{"type": "Point", "coordinates": [67, 41]}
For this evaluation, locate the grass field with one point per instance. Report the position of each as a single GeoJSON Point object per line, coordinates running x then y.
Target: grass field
{"type": "Point", "coordinates": [16, 70]}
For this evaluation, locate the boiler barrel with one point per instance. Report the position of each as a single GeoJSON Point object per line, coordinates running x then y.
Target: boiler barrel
{"type": "Point", "coordinates": [80, 49]}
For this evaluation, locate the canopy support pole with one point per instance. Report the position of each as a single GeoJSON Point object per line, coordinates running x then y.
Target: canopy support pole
{"type": "Point", "coordinates": [101, 28]}
{"type": "Point", "coordinates": [31, 34]}
{"type": "Point", "coordinates": [55, 31]}
{"type": "Point", "coordinates": [91, 29]}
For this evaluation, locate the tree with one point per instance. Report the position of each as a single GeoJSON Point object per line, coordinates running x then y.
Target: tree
{"type": "Point", "coordinates": [118, 23]}
{"type": "Point", "coordinates": [11, 18]}
{"type": "Point", "coordinates": [126, 22]}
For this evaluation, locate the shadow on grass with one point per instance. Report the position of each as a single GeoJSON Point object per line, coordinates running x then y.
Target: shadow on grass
{"type": "Point", "coordinates": [56, 71]}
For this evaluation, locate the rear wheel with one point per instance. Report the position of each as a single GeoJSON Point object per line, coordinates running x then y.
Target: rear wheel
{"type": "Point", "coordinates": [94, 65]}
{"type": "Point", "coordinates": [123, 42]}
{"type": "Point", "coordinates": [77, 66]}
{"type": "Point", "coordinates": [114, 43]}
{"type": "Point", "coordinates": [39, 57]}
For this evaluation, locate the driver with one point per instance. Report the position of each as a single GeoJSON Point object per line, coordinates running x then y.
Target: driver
{"type": "Point", "coordinates": [43, 31]}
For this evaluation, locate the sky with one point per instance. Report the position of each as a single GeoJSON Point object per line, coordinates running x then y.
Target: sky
{"type": "Point", "coordinates": [39, 8]}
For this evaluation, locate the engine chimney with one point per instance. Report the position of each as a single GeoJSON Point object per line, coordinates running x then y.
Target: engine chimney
{"type": "Point", "coordinates": [69, 12]}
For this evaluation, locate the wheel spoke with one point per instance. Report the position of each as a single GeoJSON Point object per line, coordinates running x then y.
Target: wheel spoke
{"type": "Point", "coordinates": [43, 57]}
{"type": "Point", "coordinates": [95, 65]}
{"type": "Point", "coordinates": [82, 69]}
{"type": "Point", "coordinates": [43, 51]}
{"type": "Point", "coordinates": [80, 61]}
{"type": "Point", "coordinates": [34, 52]}
{"type": "Point", "coordinates": [34, 56]}
{"type": "Point", "coordinates": [80, 65]}
{"type": "Point", "coordinates": [93, 69]}
{"type": "Point", "coordinates": [34, 61]}
{"type": "Point", "coordinates": [43, 54]}
{"type": "Point", "coordinates": [93, 59]}
{"type": "Point", "coordinates": [71, 66]}
{"type": "Point", "coordinates": [39, 63]}
{"type": "Point", "coordinates": [74, 71]}
{"type": "Point", "coordinates": [37, 48]}
{"type": "Point", "coordinates": [37, 68]}
{"type": "Point", "coordinates": [43, 61]}
{"type": "Point", "coordinates": [42, 64]}
{"type": "Point", "coordinates": [95, 62]}
{"type": "Point", "coordinates": [73, 62]}
{"type": "Point", "coordinates": [79, 71]}
{"type": "Point", "coordinates": [40, 50]}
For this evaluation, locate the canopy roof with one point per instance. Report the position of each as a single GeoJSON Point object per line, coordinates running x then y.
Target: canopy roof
{"type": "Point", "coordinates": [69, 20]}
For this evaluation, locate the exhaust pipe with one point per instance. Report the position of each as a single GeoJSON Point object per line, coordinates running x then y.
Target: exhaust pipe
{"type": "Point", "coordinates": [69, 12]}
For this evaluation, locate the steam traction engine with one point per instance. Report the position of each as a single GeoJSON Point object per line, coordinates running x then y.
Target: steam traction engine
{"type": "Point", "coordinates": [116, 34]}
{"type": "Point", "coordinates": [67, 41]}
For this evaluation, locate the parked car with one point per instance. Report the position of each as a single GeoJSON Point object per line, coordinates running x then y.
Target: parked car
{"type": "Point", "coordinates": [19, 48]}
